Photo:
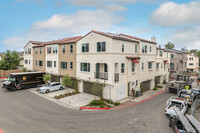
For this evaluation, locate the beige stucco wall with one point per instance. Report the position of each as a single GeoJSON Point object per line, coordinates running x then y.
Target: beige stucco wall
{"type": "Point", "coordinates": [29, 57]}
{"type": "Point", "coordinates": [67, 57]}
{"type": "Point", "coordinates": [195, 61]}
{"type": "Point", "coordinates": [39, 56]}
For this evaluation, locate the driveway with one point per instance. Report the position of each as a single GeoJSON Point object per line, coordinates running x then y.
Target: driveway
{"type": "Point", "coordinates": [72, 102]}
{"type": "Point", "coordinates": [24, 112]}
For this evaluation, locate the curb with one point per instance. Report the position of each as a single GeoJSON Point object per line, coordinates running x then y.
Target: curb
{"type": "Point", "coordinates": [92, 108]}
{"type": "Point", "coordinates": [143, 100]}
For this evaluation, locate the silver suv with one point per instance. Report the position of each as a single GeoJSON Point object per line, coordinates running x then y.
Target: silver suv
{"type": "Point", "coordinates": [53, 86]}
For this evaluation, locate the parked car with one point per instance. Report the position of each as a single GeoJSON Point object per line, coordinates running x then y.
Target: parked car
{"type": "Point", "coordinates": [53, 86]}
{"type": "Point", "coordinates": [176, 125]}
{"type": "Point", "coordinates": [178, 102]}
{"type": "Point", "coordinates": [184, 93]}
{"type": "Point", "coordinates": [195, 93]}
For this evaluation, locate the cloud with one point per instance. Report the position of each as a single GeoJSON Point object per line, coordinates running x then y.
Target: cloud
{"type": "Point", "coordinates": [188, 37]}
{"type": "Point", "coordinates": [172, 14]}
{"type": "Point", "coordinates": [64, 25]}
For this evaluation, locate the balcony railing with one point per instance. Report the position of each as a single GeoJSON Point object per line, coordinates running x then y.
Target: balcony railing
{"type": "Point", "coordinates": [116, 77]}
{"type": "Point", "coordinates": [101, 75]}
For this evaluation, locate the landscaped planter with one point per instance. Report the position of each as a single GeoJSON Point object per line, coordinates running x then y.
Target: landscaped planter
{"type": "Point", "coordinates": [94, 108]}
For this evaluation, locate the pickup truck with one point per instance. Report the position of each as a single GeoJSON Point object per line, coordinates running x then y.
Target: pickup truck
{"type": "Point", "coordinates": [178, 102]}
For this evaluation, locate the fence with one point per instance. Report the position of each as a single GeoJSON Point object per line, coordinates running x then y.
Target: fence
{"type": "Point", "coordinates": [6, 73]}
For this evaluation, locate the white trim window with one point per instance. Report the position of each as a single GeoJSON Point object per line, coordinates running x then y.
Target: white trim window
{"type": "Point", "coordinates": [40, 63]}
{"type": "Point", "coordinates": [63, 65]}
{"type": "Point", "coordinates": [29, 61]}
{"type": "Point", "coordinates": [48, 50]}
{"type": "Point", "coordinates": [54, 63]}
{"type": "Point", "coordinates": [49, 63]}
{"type": "Point", "coordinates": [133, 67]}
{"type": "Point", "coordinates": [71, 65]}
{"type": "Point", "coordinates": [63, 48]}
{"type": "Point", "coordinates": [55, 49]}
{"type": "Point", "coordinates": [161, 53]}
{"type": "Point", "coordinates": [142, 66]}
{"type": "Point", "coordinates": [101, 46]}
{"type": "Point", "coordinates": [36, 62]}
{"type": "Point", "coordinates": [144, 48]}
{"type": "Point", "coordinates": [157, 65]}
{"type": "Point", "coordinates": [71, 48]}
{"type": "Point", "coordinates": [122, 68]}
{"type": "Point", "coordinates": [85, 67]}
{"type": "Point", "coordinates": [122, 47]}
{"type": "Point", "coordinates": [40, 50]}
{"type": "Point", "coordinates": [150, 65]}
{"type": "Point", "coordinates": [85, 47]}
{"type": "Point", "coordinates": [36, 50]}
{"type": "Point", "coordinates": [136, 48]}
{"type": "Point", "coordinates": [26, 61]}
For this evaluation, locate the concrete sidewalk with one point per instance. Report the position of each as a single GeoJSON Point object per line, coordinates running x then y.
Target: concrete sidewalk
{"type": "Point", "coordinates": [145, 96]}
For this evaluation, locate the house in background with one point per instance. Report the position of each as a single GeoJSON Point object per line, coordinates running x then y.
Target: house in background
{"type": "Point", "coordinates": [192, 63]}
{"type": "Point", "coordinates": [178, 61]}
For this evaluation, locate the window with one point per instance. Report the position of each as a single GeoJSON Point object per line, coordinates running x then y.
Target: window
{"type": "Point", "coordinates": [157, 65]}
{"type": "Point", "coordinates": [40, 63]}
{"type": "Point", "coordinates": [36, 50]}
{"type": "Point", "coordinates": [191, 64]}
{"type": "Point", "coordinates": [48, 50]}
{"type": "Point", "coordinates": [150, 49]}
{"type": "Point", "coordinates": [26, 61]}
{"type": "Point", "coordinates": [63, 65]}
{"type": "Point", "coordinates": [85, 67]}
{"type": "Point", "coordinates": [55, 49]}
{"type": "Point", "coordinates": [101, 46]}
{"type": "Point", "coordinates": [40, 50]}
{"type": "Point", "coordinates": [172, 66]}
{"type": "Point", "coordinates": [29, 61]}
{"type": "Point", "coordinates": [150, 64]}
{"type": "Point", "coordinates": [26, 51]}
{"type": "Point", "coordinates": [85, 47]}
{"type": "Point", "coordinates": [161, 65]}
{"type": "Point", "coordinates": [122, 47]}
{"type": "Point", "coordinates": [29, 51]}
{"type": "Point", "coordinates": [105, 68]}
{"type": "Point", "coordinates": [142, 66]}
{"type": "Point", "coordinates": [133, 67]}
{"type": "Point", "coordinates": [122, 68]}
{"type": "Point", "coordinates": [63, 48]}
{"type": "Point", "coordinates": [71, 65]}
{"type": "Point", "coordinates": [161, 53]}
{"type": "Point", "coordinates": [54, 63]}
{"type": "Point", "coordinates": [49, 63]}
{"type": "Point", "coordinates": [71, 48]}
{"type": "Point", "coordinates": [36, 62]}
{"type": "Point", "coordinates": [144, 49]}
{"type": "Point", "coordinates": [172, 56]}
{"type": "Point", "coordinates": [156, 52]}
{"type": "Point", "coordinates": [135, 48]}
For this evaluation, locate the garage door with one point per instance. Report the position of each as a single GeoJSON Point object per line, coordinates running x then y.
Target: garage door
{"type": "Point", "coordinates": [87, 88]}
{"type": "Point", "coordinates": [146, 85]}
{"type": "Point", "coordinates": [120, 93]}
{"type": "Point", "coordinates": [157, 79]}
{"type": "Point", "coordinates": [55, 78]}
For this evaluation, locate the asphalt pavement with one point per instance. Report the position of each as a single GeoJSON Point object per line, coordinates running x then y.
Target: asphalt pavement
{"type": "Point", "coordinates": [24, 112]}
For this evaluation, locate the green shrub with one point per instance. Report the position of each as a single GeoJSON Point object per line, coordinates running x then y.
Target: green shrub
{"type": "Point", "coordinates": [73, 93]}
{"type": "Point", "coordinates": [101, 106]}
{"type": "Point", "coordinates": [46, 77]}
{"type": "Point", "coordinates": [62, 96]}
{"type": "Point", "coordinates": [159, 86]}
{"type": "Point", "coordinates": [108, 101]}
{"type": "Point", "coordinates": [70, 93]}
{"type": "Point", "coordinates": [66, 94]}
{"type": "Point", "coordinates": [96, 102]}
{"type": "Point", "coordinates": [66, 80]}
{"type": "Point", "coordinates": [24, 69]}
{"type": "Point", "coordinates": [116, 103]}
{"type": "Point", "coordinates": [155, 88]}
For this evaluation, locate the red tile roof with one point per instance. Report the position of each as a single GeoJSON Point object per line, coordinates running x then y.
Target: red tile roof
{"type": "Point", "coordinates": [113, 36]}
{"type": "Point", "coordinates": [64, 40]}
{"type": "Point", "coordinates": [137, 38]}
{"type": "Point", "coordinates": [136, 58]}
{"type": "Point", "coordinates": [159, 48]}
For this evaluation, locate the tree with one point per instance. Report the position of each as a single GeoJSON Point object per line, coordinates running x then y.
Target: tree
{"type": "Point", "coordinates": [194, 51]}
{"type": "Point", "coordinates": [66, 80]}
{"type": "Point", "coordinates": [24, 69]}
{"type": "Point", "coordinates": [184, 49]}
{"type": "Point", "coordinates": [10, 61]}
{"type": "Point", "coordinates": [46, 78]}
{"type": "Point", "coordinates": [169, 45]}
{"type": "Point", "coordinates": [97, 89]}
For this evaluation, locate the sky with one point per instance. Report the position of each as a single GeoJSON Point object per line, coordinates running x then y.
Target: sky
{"type": "Point", "coordinates": [176, 21]}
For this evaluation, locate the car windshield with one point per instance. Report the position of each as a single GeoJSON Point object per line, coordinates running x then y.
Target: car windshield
{"type": "Point", "coordinates": [47, 85]}
{"type": "Point", "coordinates": [11, 79]}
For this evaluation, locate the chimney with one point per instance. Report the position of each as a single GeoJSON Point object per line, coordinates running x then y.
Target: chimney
{"type": "Point", "coordinates": [153, 39]}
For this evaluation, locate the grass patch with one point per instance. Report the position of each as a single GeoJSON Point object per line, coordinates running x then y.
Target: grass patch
{"type": "Point", "coordinates": [155, 88]}
{"type": "Point", "coordinates": [116, 103]}
{"type": "Point", "coordinates": [96, 103]}
{"type": "Point", "coordinates": [159, 87]}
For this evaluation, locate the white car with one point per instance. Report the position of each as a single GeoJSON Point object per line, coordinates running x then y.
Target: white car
{"type": "Point", "coordinates": [53, 86]}
{"type": "Point", "coordinates": [179, 103]}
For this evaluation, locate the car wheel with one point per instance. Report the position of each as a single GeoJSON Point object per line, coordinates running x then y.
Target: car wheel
{"type": "Point", "coordinates": [47, 91]}
{"type": "Point", "coordinates": [61, 88]}
{"type": "Point", "coordinates": [35, 86]}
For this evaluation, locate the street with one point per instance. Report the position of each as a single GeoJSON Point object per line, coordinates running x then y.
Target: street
{"type": "Point", "coordinates": [24, 112]}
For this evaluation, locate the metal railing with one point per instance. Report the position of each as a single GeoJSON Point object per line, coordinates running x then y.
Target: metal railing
{"type": "Point", "coordinates": [116, 77]}
{"type": "Point", "coordinates": [101, 75]}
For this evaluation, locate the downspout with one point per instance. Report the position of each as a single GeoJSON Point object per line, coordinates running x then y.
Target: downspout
{"type": "Point", "coordinates": [139, 64]}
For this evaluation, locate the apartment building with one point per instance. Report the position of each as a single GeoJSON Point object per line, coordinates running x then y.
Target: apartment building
{"type": "Point", "coordinates": [178, 61]}
{"type": "Point", "coordinates": [57, 57]}
{"type": "Point", "coordinates": [192, 63]}
{"type": "Point", "coordinates": [120, 62]}
{"type": "Point", "coordinates": [28, 54]}
{"type": "Point", "coordinates": [162, 65]}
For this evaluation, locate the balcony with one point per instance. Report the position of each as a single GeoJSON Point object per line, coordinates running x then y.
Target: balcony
{"type": "Point", "coordinates": [101, 75]}
{"type": "Point", "coordinates": [116, 77]}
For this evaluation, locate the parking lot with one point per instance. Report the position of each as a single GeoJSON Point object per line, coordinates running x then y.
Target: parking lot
{"type": "Point", "coordinates": [23, 111]}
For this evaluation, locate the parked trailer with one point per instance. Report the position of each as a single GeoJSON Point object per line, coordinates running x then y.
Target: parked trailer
{"type": "Point", "coordinates": [23, 80]}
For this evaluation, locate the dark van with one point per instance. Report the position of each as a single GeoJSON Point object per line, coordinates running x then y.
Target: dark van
{"type": "Point", "coordinates": [23, 80]}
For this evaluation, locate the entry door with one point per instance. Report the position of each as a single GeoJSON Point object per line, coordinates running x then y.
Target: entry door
{"type": "Point", "coordinates": [129, 89]}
